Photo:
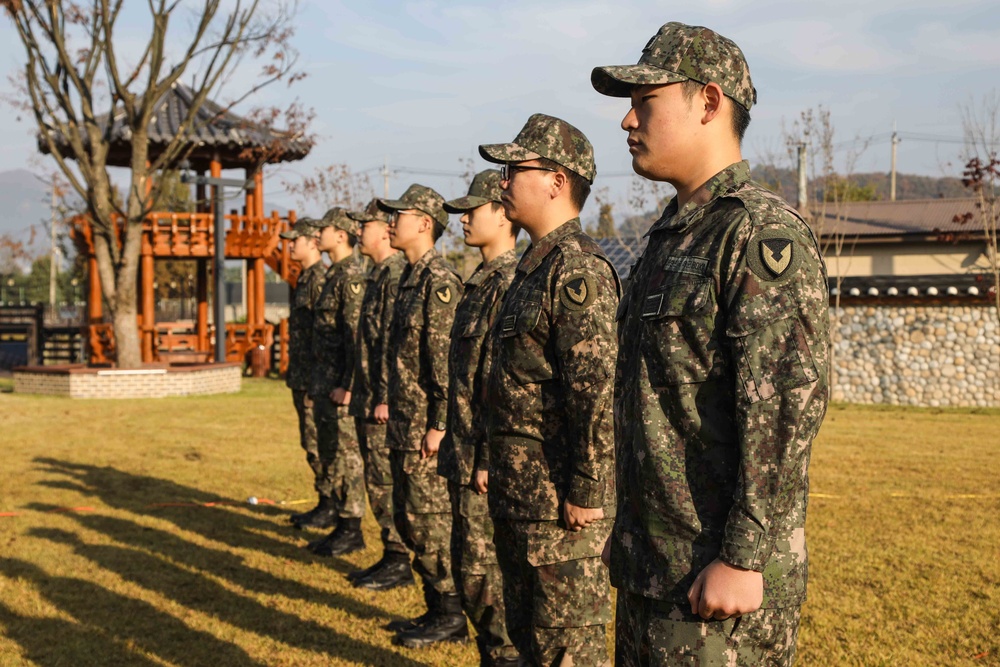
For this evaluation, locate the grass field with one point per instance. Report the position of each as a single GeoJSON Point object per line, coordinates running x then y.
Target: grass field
{"type": "Point", "coordinates": [131, 542]}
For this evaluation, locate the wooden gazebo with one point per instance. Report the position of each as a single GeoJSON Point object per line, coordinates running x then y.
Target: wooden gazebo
{"type": "Point", "coordinates": [219, 140]}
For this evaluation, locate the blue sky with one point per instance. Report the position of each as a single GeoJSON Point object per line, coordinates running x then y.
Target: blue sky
{"type": "Point", "coordinates": [423, 83]}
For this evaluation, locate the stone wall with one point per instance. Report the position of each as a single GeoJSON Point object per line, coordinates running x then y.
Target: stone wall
{"type": "Point", "coordinates": [83, 382]}
{"type": "Point", "coordinates": [931, 356]}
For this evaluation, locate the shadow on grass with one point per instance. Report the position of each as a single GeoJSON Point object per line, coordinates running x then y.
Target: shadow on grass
{"type": "Point", "coordinates": [109, 624]}
{"type": "Point", "coordinates": [140, 494]}
{"type": "Point", "coordinates": [197, 592]}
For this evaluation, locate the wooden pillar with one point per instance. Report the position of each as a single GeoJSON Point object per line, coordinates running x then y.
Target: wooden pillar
{"type": "Point", "coordinates": [258, 179]}
{"type": "Point", "coordinates": [260, 291]}
{"type": "Point", "coordinates": [95, 303]}
{"type": "Point", "coordinates": [202, 324]}
{"type": "Point", "coordinates": [148, 309]}
{"type": "Point", "coordinates": [251, 291]}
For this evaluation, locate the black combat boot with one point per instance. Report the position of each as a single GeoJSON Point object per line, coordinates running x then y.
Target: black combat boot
{"type": "Point", "coordinates": [433, 601]}
{"type": "Point", "coordinates": [449, 625]}
{"type": "Point", "coordinates": [325, 516]}
{"type": "Point", "coordinates": [316, 544]}
{"type": "Point", "coordinates": [394, 572]}
{"type": "Point", "coordinates": [308, 514]}
{"type": "Point", "coordinates": [354, 575]}
{"type": "Point", "coordinates": [346, 539]}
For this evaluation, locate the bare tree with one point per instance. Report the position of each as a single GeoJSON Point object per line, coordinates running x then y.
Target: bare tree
{"type": "Point", "coordinates": [333, 185]}
{"type": "Point", "coordinates": [981, 125]}
{"type": "Point", "coordinates": [76, 83]}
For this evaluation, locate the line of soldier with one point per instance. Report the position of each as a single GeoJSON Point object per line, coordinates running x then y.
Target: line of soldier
{"type": "Point", "coordinates": [513, 431]}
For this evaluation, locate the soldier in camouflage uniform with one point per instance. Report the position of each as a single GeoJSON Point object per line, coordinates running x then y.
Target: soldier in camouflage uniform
{"type": "Point", "coordinates": [305, 251]}
{"type": "Point", "coordinates": [550, 428]}
{"type": "Point", "coordinates": [334, 348]}
{"type": "Point", "coordinates": [721, 382]}
{"type": "Point", "coordinates": [369, 404]}
{"type": "Point", "coordinates": [473, 555]}
{"type": "Point", "coordinates": [422, 317]}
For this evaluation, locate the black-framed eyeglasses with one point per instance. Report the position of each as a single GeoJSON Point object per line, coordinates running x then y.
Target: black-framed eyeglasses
{"type": "Point", "coordinates": [394, 216]}
{"type": "Point", "coordinates": [508, 169]}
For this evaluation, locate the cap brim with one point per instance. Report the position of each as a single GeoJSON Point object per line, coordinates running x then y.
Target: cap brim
{"type": "Point", "coordinates": [390, 205]}
{"type": "Point", "coordinates": [289, 235]}
{"type": "Point", "coordinates": [619, 80]}
{"type": "Point", "coordinates": [363, 217]}
{"type": "Point", "coordinates": [463, 204]}
{"type": "Point", "coordinates": [501, 153]}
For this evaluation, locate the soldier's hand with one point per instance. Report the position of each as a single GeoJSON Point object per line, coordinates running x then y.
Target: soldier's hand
{"type": "Point", "coordinates": [340, 396]}
{"type": "Point", "coordinates": [578, 518]}
{"type": "Point", "coordinates": [721, 591]}
{"type": "Point", "coordinates": [382, 413]}
{"type": "Point", "coordinates": [431, 443]}
{"type": "Point", "coordinates": [481, 481]}
{"type": "Point", "coordinates": [606, 553]}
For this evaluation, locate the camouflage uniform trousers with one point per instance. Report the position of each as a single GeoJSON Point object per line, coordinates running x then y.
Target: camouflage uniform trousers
{"type": "Point", "coordinates": [340, 455]}
{"type": "Point", "coordinates": [477, 575]}
{"type": "Point", "coordinates": [556, 591]}
{"type": "Point", "coordinates": [378, 481]}
{"type": "Point", "coordinates": [422, 513]}
{"type": "Point", "coordinates": [307, 432]}
{"type": "Point", "coordinates": [655, 633]}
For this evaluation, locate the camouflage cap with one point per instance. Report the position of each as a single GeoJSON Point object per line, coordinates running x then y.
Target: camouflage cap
{"type": "Point", "coordinates": [679, 52]}
{"type": "Point", "coordinates": [370, 212]}
{"type": "Point", "coordinates": [485, 188]}
{"type": "Point", "coordinates": [546, 137]}
{"type": "Point", "coordinates": [303, 227]}
{"type": "Point", "coordinates": [337, 217]}
{"type": "Point", "coordinates": [421, 198]}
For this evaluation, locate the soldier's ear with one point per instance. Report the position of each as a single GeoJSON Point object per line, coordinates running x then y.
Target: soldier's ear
{"type": "Point", "coordinates": [559, 182]}
{"type": "Point", "coordinates": [712, 99]}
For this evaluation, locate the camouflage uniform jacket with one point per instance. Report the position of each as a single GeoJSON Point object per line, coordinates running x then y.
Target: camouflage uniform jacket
{"type": "Point", "coordinates": [549, 396]}
{"type": "Point", "coordinates": [469, 367]}
{"type": "Point", "coordinates": [300, 326]}
{"type": "Point", "coordinates": [418, 347]}
{"type": "Point", "coordinates": [371, 370]}
{"type": "Point", "coordinates": [721, 386]}
{"type": "Point", "coordinates": [334, 337]}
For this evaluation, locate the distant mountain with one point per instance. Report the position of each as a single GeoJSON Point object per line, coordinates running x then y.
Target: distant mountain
{"type": "Point", "coordinates": [908, 186]}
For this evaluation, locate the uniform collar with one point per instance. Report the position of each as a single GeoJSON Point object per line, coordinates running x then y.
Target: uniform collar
{"type": "Point", "coordinates": [390, 262]}
{"type": "Point", "coordinates": [535, 253]}
{"type": "Point", "coordinates": [719, 185]}
{"type": "Point", "coordinates": [498, 263]}
{"type": "Point", "coordinates": [413, 277]}
{"type": "Point", "coordinates": [342, 264]}
{"type": "Point", "coordinates": [317, 269]}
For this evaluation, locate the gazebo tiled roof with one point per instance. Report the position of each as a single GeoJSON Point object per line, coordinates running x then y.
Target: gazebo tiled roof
{"type": "Point", "coordinates": [214, 131]}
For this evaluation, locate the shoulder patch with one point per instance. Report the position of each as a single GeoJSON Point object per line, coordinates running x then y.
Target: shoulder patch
{"type": "Point", "coordinates": [578, 292]}
{"type": "Point", "coordinates": [444, 294]}
{"type": "Point", "coordinates": [773, 254]}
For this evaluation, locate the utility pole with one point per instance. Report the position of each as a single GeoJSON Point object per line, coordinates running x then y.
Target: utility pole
{"type": "Point", "coordinates": [803, 181]}
{"type": "Point", "coordinates": [219, 234]}
{"type": "Point", "coordinates": [892, 173]}
{"type": "Point", "coordinates": [385, 178]}
{"type": "Point", "coordinates": [53, 268]}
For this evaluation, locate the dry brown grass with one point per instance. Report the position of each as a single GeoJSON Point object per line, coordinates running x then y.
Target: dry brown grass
{"type": "Point", "coordinates": [903, 530]}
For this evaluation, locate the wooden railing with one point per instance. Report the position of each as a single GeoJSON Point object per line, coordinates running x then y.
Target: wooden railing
{"type": "Point", "coordinates": [181, 235]}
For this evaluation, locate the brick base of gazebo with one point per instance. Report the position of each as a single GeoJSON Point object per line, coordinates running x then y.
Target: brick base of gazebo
{"type": "Point", "coordinates": [150, 381]}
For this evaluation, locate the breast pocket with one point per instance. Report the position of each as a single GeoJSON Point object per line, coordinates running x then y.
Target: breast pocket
{"type": "Point", "coordinates": [678, 334]}
{"type": "Point", "coordinates": [523, 333]}
{"type": "Point", "coordinates": [409, 340]}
